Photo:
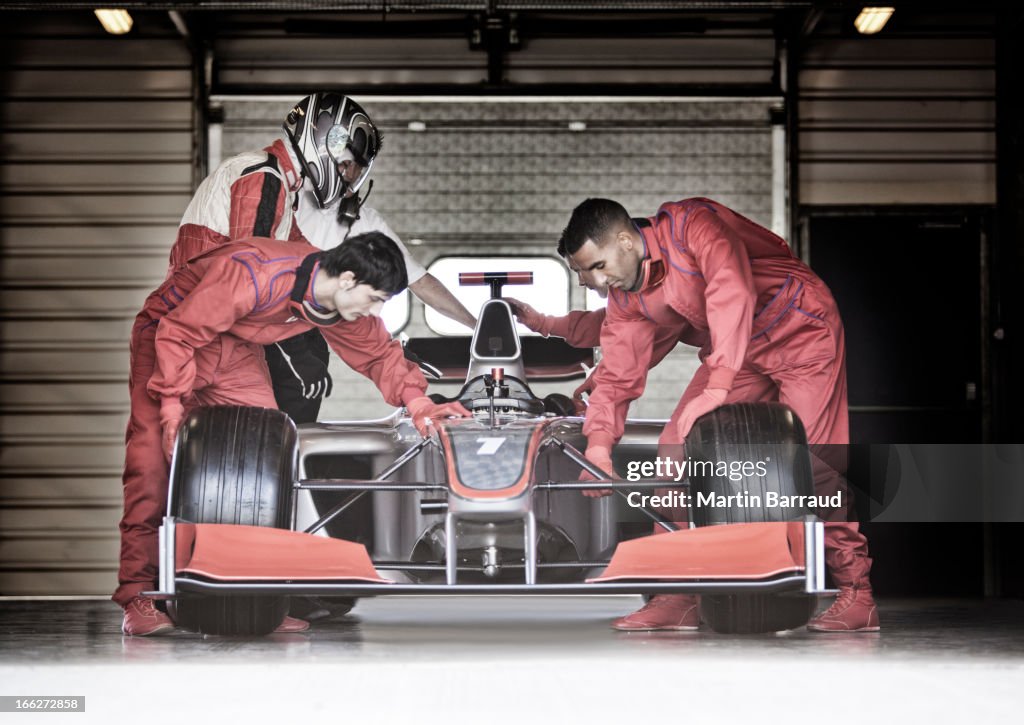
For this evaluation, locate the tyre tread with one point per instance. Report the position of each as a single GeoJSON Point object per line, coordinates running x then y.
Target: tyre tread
{"type": "Point", "coordinates": [744, 432]}
{"type": "Point", "coordinates": [234, 466]}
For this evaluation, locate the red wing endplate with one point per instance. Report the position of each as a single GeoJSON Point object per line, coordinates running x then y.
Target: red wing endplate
{"type": "Point", "coordinates": [731, 551]}
{"type": "Point", "coordinates": [230, 552]}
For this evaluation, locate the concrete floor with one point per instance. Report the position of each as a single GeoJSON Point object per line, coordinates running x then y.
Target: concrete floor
{"type": "Point", "coordinates": [519, 659]}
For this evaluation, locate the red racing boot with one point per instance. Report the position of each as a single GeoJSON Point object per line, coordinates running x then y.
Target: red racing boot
{"type": "Point", "coordinates": [854, 610]}
{"type": "Point", "coordinates": [142, 618]}
{"type": "Point", "coordinates": [664, 612]}
{"type": "Point", "coordinates": [291, 624]}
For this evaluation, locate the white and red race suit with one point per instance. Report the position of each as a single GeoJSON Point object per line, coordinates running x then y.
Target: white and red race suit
{"type": "Point", "coordinates": [249, 195]}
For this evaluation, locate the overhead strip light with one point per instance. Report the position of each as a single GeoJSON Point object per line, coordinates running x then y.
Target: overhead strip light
{"type": "Point", "coordinates": [115, 22]}
{"type": "Point", "coordinates": [871, 20]}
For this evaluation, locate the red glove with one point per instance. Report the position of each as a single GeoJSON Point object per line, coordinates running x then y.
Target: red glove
{"type": "Point", "coordinates": [707, 401]}
{"type": "Point", "coordinates": [171, 413]}
{"type": "Point", "coordinates": [422, 409]}
{"type": "Point", "coordinates": [528, 316]}
{"type": "Point", "coordinates": [602, 458]}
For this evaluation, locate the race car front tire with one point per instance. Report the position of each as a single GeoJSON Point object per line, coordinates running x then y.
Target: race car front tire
{"type": "Point", "coordinates": [233, 465]}
{"type": "Point", "coordinates": [771, 438]}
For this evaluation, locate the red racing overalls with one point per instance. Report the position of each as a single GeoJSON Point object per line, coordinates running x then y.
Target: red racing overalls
{"type": "Point", "coordinates": [773, 334]}
{"type": "Point", "coordinates": [199, 339]}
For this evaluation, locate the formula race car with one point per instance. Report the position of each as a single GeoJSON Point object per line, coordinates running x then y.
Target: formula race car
{"type": "Point", "coordinates": [259, 510]}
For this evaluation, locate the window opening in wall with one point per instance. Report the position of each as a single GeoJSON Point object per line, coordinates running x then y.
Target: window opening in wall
{"type": "Point", "coordinates": [549, 292]}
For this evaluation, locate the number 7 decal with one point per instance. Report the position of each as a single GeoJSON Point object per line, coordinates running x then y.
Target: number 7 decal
{"type": "Point", "coordinates": [490, 446]}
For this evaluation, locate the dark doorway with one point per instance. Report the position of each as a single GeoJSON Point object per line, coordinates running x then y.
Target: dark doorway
{"type": "Point", "coordinates": [910, 287]}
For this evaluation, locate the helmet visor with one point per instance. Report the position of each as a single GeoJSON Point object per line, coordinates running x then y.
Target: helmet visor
{"type": "Point", "coordinates": [353, 149]}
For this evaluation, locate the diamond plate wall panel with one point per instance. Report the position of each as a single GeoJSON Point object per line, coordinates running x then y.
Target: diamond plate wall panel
{"type": "Point", "coordinates": [513, 170]}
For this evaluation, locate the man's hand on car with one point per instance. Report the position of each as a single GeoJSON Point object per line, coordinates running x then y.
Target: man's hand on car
{"type": "Point", "coordinates": [602, 458]}
{"type": "Point", "coordinates": [423, 409]}
{"type": "Point", "coordinates": [527, 316]}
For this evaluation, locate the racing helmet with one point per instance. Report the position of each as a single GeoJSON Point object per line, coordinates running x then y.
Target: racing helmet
{"type": "Point", "coordinates": [336, 143]}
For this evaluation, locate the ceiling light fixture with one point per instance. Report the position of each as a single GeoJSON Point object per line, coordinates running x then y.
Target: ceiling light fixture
{"type": "Point", "coordinates": [115, 22]}
{"type": "Point", "coordinates": [871, 20]}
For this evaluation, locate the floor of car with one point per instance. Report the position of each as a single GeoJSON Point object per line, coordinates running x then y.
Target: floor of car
{"type": "Point", "coordinates": [454, 659]}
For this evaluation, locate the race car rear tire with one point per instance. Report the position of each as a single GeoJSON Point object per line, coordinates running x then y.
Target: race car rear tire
{"type": "Point", "coordinates": [751, 433]}
{"type": "Point", "coordinates": [233, 465]}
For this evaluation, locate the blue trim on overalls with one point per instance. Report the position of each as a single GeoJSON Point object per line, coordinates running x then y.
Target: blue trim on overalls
{"type": "Point", "coordinates": [782, 313]}
{"type": "Point", "coordinates": [680, 244]}
{"type": "Point", "coordinates": [255, 283]}
{"type": "Point", "coordinates": [809, 314]}
{"type": "Point", "coordinates": [676, 267]}
{"type": "Point", "coordinates": [769, 303]}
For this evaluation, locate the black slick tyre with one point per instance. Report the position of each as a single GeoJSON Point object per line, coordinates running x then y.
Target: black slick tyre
{"type": "Point", "coordinates": [233, 465]}
{"type": "Point", "coordinates": [750, 433]}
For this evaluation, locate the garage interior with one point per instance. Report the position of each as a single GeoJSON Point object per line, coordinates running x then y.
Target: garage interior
{"type": "Point", "coordinates": [893, 163]}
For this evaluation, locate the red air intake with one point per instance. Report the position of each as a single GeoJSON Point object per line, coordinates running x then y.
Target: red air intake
{"type": "Point", "coordinates": [495, 280]}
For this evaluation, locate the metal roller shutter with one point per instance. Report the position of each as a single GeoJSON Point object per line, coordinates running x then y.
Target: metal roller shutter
{"type": "Point", "coordinates": [570, 45]}
{"type": "Point", "coordinates": [898, 121]}
{"type": "Point", "coordinates": [96, 172]}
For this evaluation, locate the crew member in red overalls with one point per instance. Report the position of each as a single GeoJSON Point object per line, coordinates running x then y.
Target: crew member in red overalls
{"type": "Point", "coordinates": [198, 341]}
{"type": "Point", "coordinates": [773, 333]}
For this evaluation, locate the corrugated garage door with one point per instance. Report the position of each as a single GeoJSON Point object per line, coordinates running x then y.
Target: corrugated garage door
{"type": "Point", "coordinates": [501, 176]}
{"type": "Point", "coordinates": [898, 121]}
{"type": "Point", "coordinates": [96, 171]}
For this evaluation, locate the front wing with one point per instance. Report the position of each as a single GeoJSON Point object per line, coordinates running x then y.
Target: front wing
{"type": "Point", "coordinates": [730, 559]}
